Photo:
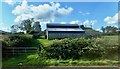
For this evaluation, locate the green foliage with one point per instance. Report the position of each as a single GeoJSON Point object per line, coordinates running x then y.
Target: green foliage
{"type": "Point", "coordinates": [26, 25]}
{"type": "Point", "coordinates": [24, 61]}
{"type": "Point", "coordinates": [31, 31]}
{"type": "Point", "coordinates": [36, 35]}
{"type": "Point", "coordinates": [69, 52]}
{"type": "Point", "coordinates": [33, 61]}
{"type": "Point", "coordinates": [109, 46]}
{"type": "Point", "coordinates": [94, 48]}
{"type": "Point", "coordinates": [109, 30]}
{"type": "Point", "coordinates": [72, 49]}
{"type": "Point", "coordinates": [82, 26]}
{"type": "Point", "coordinates": [18, 40]}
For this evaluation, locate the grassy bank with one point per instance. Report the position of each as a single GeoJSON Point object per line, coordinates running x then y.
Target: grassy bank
{"type": "Point", "coordinates": [32, 60]}
{"type": "Point", "coordinates": [108, 43]}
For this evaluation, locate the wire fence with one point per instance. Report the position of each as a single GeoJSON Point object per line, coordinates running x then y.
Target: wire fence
{"type": "Point", "coordinates": [19, 50]}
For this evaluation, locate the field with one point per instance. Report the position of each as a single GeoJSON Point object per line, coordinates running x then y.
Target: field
{"type": "Point", "coordinates": [35, 60]}
{"type": "Point", "coordinates": [32, 60]}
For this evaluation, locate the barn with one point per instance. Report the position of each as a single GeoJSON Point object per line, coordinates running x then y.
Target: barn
{"type": "Point", "coordinates": [59, 31]}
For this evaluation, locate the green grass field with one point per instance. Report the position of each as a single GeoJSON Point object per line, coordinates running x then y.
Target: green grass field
{"type": "Point", "coordinates": [112, 38]}
{"type": "Point", "coordinates": [32, 60]}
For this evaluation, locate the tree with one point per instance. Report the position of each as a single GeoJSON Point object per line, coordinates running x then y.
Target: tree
{"type": "Point", "coordinates": [14, 28]}
{"type": "Point", "coordinates": [26, 25]}
{"type": "Point", "coordinates": [110, 29]}
{"type": "Point", "coordinates": [37, 26]}
{"type": "Point", "coordinates": [103, 29]}
{"type": "Point", "coordinates": [82, 26]}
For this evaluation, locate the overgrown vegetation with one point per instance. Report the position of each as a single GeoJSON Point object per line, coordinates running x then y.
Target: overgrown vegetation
{"type": "Point", "coordinates": [95, 48]}
{"type": "Point", "coordinates": [33, 61]}
{"type": "Point", "coordinates": [17, 40]}
{"type": "Point", "coordinates": [64, 52]}
{"type": "Point", "coordinates": [73, 49]}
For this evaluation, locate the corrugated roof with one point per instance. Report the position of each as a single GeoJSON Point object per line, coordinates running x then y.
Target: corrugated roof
{"type": "Point", "coordinates": [64, 29]}
{"type": "Point", "coordinates": [56, 24]}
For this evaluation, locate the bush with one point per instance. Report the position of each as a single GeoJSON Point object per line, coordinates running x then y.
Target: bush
{"type": "Point", "coordinates": [107, 47]}
{"type": "Point", "coordinates": [18, 41]}
{"type": "Point", "coordinates": [71, 49]}
{"type": "Point", "coordinates": [36, 35]}
{"type": "Point", "coordinates": [31, 32]}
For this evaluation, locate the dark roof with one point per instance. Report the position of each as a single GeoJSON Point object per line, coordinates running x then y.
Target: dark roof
{"type": "Point", "coordinates": [64, 29]}
{"type": "Point", "coordinates": [55, 25]}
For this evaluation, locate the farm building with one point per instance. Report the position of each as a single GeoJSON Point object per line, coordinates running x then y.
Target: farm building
{"type": "Point", "coordinates": [58, 31]}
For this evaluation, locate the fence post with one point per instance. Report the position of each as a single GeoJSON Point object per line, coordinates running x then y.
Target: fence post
{"type": "Point", "coordinates": [25, 50]}
{"type": "Point", "coordinates": [13, 51]}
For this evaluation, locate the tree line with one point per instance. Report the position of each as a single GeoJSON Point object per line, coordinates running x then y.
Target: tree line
{"type": "Point", "coordinates": [110, 29]}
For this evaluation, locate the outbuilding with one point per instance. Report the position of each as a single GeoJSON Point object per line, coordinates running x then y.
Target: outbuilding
{"type": "Point", "coordinates": [59, 31]}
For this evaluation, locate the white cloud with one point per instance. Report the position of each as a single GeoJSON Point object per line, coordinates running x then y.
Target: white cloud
{"type": "Point", "coordinates": [63, 11]}
{"type": "Point", "coordinates": [99, 30]}
{"type": "Point", "coordinates": [5, 29]}
{"type": "Point", "coordinates": [44, 12]}
{"type": "Point", "coordinates": [21, 9]}
{"type": "Point", "coordinates": [84, 13]}
{"type": "Point", "coordinates": [44, 23]}
{"type": "Point", "coordinates": [63, 23]}
{"type": "Point", "coordinates": [22, 17]}
{"type": "Point", "coordinates": [93, 22]}
{"type": "Point", "coordinates": [75, 22]}
{"type": "Point", "coordinates": [87, 22]}
{"type": "Point", "coordinates": [10, 2]}
{"type": "Point", "coordinates": [112, 19]}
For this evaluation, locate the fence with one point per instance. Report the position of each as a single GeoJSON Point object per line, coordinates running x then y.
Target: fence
{"type": "Point", "coordinates": [19, 50]}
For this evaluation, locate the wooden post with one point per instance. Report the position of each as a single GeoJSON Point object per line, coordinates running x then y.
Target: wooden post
{"type": "Point", "coordinates": [13, 51]}
{"type": "Point", "coordinates": [25, 50]}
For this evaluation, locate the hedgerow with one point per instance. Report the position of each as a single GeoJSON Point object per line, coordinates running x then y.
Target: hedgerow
{"type": "Point", "coordinates": [73, 49]}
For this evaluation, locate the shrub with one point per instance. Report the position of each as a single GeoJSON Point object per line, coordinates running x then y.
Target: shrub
{"type": "Point", "coordinates": [37, 35]}
{"type": "Point", "coordinates": [19, 41]}
{"type": "Point", "coordinates": [31, 32]}
{"type": "Point", "coordinates": [106, 47]}
{"type": "Point", "coordinates": [70, 48]}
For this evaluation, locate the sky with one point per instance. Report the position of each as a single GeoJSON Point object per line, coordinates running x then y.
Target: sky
{"type": "Point", "coordinates": [97, 14]}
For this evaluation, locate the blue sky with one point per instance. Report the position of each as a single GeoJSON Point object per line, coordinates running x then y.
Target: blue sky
{"type": "Point", "coordinates": [96, 13]}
